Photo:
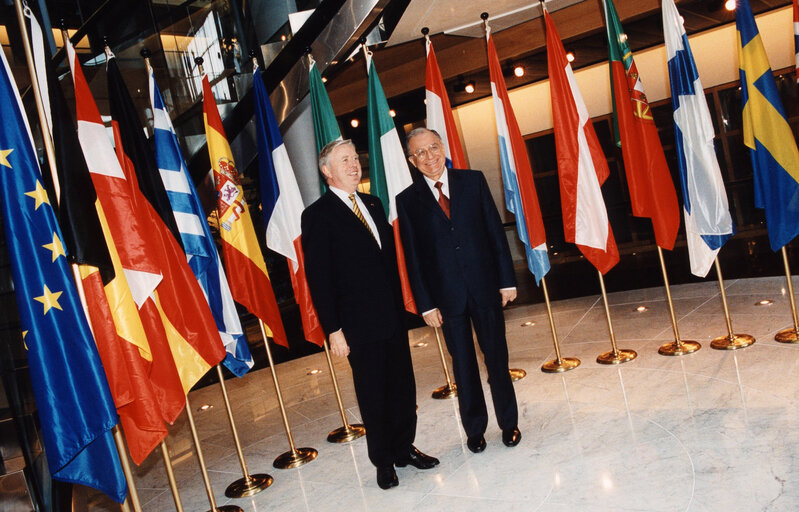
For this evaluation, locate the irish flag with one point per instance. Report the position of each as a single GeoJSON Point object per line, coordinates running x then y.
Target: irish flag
{"type": "Point", "coordinates": [388, 168]}
{"type": "Point", "coordinates": [439, 111]}
{"type": "Point", "coordinates": [582, 167]}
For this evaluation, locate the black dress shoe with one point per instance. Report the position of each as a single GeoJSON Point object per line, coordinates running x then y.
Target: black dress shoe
{"type": "Point", "coordinates": [511, 436]}
{"type": "Point", "coordinates": [476, 444]}
{"type": "Point", "coordinates": [416, 459]}
{"type": "Point", "coordinates": [387, 477]}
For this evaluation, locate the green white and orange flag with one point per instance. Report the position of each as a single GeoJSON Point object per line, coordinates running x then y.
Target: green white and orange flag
{"type": "Point", "coordinates": [325, 125]}
{"type": "Point", "coordinates": [388, 168]}
{"type": "Point", "coordinates": [244, 262]}
{"type": "Point", "coordinates": [651, 188]}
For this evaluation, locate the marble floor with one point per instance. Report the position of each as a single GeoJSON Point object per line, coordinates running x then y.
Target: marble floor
{"type": "Point", "coordinates": [710, 431]}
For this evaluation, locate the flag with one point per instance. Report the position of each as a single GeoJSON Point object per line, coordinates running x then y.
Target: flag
{"type": "Point", "coordinates": [652, 192]}
{"type": "Point", "coordinates": [582, 167]}
{"type": "Point", "coordinates": [75, 407]}
{"type": "Point", "coordinates": [796, 36]}
{"type": "Point", "coordinates": [179, 327]}
{"type": "Point", "coordinates": [117, 328]}
{"type": "Point", "coordinates": [708, 223]}
{"type": "Point", "coordinates": [517, 175]}
{"type": "Point", "coordinates": [282, 205]}
{"type": "Point", "coordinates": [196, 236]}
{"type": "Point", "coordinates": [767, 134]}
{"type": "Point", "coordinates": [246, 269]}
{"type": "Point", "coordinates": [439, 111]}
{"type": "Point", "coordinates": [325, 125]}
{"type": "Point", "coordinates": [388, 168]}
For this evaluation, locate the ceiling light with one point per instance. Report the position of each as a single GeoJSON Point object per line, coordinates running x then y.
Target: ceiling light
{"type": "Point", "coordinates": [324, 79]}
{"type": "Point", "coordinates": [729, 5]}
{"type": "Point", "coordinates": [354, 122]}
{"type": "Point", "coordinates": [392, 112]}
{"type": "Point", "coordinates": [283, 37]}
{"type": "Point", "coordinates": [469, 88]}
{"type": "Point", "coordinates": [421, 344]}
{"type": "Point", "coordinates": [204, 407]}
{"type": "Point", "coordinates": [764, 302]}
{"type": "Point", "coordinates": [570, 56]}
{"type": "Point", "coordinates": [518, 71]}
{"type": "Point", "coordinates": [641, 309]}
{"type": "Point", "coordinates": [315, 371]}
{"type": "Point", "coordinates": [528, 323]}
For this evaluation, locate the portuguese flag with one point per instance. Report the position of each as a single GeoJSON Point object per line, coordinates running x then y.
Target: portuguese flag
{"type": "Point", "coordinates": [652, 191]}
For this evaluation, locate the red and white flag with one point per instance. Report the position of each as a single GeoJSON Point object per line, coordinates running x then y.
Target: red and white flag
{"type": "Point", "coordinates": [439, 111]}
{"type": "Point", "coordinates": [582, 167]}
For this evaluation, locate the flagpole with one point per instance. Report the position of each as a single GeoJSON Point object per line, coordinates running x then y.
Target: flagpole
{"type": "Point", "coordinates": [448, 390]}
{"type": "Point", "coordinates": [49, 149]}
{"type": "Point", "coordinates": [732, 341]}
{"type": "Point", "coordinates": [677, 347]}
{"type": "Point", "coordinates": [170, 475]}
{"type": "Point", "coordinates": [559, 364]}
{"type": "Point", "coordinates": [615, 356]}
{"type": "Point", "coordinates": [203, 469]}
{"type": "Point", "coordinates": [249, 484]}
{"type": "Point", "coordinates": [295, 457]}
{"type": "Point", "coordinates": [791, 334]}
{"type": "Point", "coordinates": [348, 432]}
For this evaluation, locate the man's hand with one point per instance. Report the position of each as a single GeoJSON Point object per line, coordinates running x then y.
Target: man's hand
{"type": "Point", "coordinates": [508, 296]}
{"type": "Point", "coordinates": [338, 344]}
{"type": "Point", "coordinates": [433, 318]}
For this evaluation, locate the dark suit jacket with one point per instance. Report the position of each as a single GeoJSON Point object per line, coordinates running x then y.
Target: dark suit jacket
{"type": "Point", "coordinates": [354, 283]}
{"type": "Point", "coordinates": [449, 260]}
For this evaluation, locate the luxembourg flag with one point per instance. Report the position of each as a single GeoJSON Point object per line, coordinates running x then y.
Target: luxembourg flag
{"type": "Point", "coordinates": [582, 167]}
{"type": "Point", "coordinates": [708, 223]}
{"type": "Point", "coordinates": [282, 205]}
{"type": "Point", "coordinates": [196, 236]}
{"type": "Point", "coordinates": [388, 167]}
{"type": "Point", "coordinates": [439, 111]}
{"type": "Point", "coordinates": [517, 175]}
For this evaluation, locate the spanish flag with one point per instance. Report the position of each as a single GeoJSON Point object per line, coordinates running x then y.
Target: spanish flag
{"type": "Point", "coordinates": [244, 262]}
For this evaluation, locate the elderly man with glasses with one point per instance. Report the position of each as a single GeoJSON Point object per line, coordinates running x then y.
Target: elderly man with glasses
{"type": "Point", "coordinates": [461, 274]}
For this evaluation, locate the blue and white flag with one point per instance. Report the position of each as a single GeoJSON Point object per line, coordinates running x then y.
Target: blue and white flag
{"type": "Point", "coordinates": [708, 224]}
{"type": "Point", "coordinates": [196, 236]}
{"type": "Point", "coordinates": [75, 407]}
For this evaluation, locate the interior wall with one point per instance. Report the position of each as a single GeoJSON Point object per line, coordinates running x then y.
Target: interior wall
{"type": "Point", "coordinates": [716, 59]}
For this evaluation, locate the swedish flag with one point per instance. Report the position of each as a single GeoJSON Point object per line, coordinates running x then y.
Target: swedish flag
{"type": "Point", "coordinates": [75, 408]}
{"type": "Point", "coordinates": [775, 158]}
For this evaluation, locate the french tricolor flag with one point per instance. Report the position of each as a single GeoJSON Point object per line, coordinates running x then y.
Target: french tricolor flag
{"type": "Point", "coordinates": [517, 175]}
{"type": "Point", "coordinates": [439, 111]}
{"type": "Point", "coordinates": [282, 205]}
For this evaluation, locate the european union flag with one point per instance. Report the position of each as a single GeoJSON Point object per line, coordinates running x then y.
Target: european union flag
{"type": "Point", "coordinates": [768, 135]}
{"type": "Point", "coordinates": [75, 408]}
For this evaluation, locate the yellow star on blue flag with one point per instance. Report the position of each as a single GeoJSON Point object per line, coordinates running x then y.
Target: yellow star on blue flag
{"type": "Point", "coordinates": [4, 157]}
{"type": "Point", "coordinates": [57, 248]}
{"type": "Point", "coordinates": [39, 194]}
{"type": "Point", "coordinates": [49, 299]}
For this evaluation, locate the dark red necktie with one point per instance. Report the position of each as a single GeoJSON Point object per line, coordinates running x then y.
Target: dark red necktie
{"type": "Point", "coordinates": [443, 200]}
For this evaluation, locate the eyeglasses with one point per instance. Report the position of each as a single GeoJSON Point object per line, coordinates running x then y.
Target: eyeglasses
{"type": "Point", "coordinates": [432, 150]}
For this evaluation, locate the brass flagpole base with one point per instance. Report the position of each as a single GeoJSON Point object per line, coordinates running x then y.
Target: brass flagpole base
{"type": "Point", "coordinates": [679, 348]}
{"type": "Point", "coordinates": [732, 343]}
{"type": "Point", "coordinates": [445, 391]}
{"type": "Point", "coordinates": [227, 508]}
{"type": "Point", "coordinates": [617, 357]}
{"type": "Point", "coordinates": [347, 433]}
{"type": "Point", "coordinates": [244, 487]}
{"type": "Point", "coordinates": [564, 365]}
{"type": "Point", "coordinates": [789, 335]}
{"type": "Point", "coordinates": [295, 459]}
{"type": "Point", "coordinates": [517, 374]}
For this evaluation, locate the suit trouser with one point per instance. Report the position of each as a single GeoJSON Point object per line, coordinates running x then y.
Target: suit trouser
{"type": "Point", "coordinates": [489, 325]}
{"type": "Point", "coordinates": [384, 384]}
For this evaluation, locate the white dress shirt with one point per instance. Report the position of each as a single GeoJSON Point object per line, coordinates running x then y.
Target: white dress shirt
{"type": "Point", "coordinates": [345, 197]}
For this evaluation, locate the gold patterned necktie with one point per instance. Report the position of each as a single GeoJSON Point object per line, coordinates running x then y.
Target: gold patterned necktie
{"type": "Point", "coordinates": [357, 212]}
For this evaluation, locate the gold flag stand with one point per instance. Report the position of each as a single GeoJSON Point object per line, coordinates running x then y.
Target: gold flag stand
{"type": "Point", "coordinates": [791, 334]}
{"type": "Point", "coordinates": [348, 432]}
{"type": "Point", "coordinates": [517, 374]}
{"type": "Point", "coordinates": [132, 500]}
{"type": "Point", "coordinates": [448, 390]}
{"type": "Point", "coordinates": [678, 347]}
{"type": "Point", "coordinates": [731, 341]}
{"type": "Point", "coordinates": [170, 475]}
{"type": "Point", "coordinates": [295, 457]}
{"type": "Point", "coordinates": [559, 364]}
{"type": "Point", "coordinates": [203, 470]}
{"type": "Point", "coordinates": [248, 484]}
{"type": "Point", "coordinates": [615, 356]}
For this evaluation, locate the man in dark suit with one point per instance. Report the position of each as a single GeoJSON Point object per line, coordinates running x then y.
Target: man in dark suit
{"type": "Point", "coordinates": [351, 267]}
{"type": "Point", "coordinates": [461, 273]}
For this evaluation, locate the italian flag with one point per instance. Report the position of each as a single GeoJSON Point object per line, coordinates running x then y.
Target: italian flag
{"type": "Point", "coordinates": [388, 169]}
